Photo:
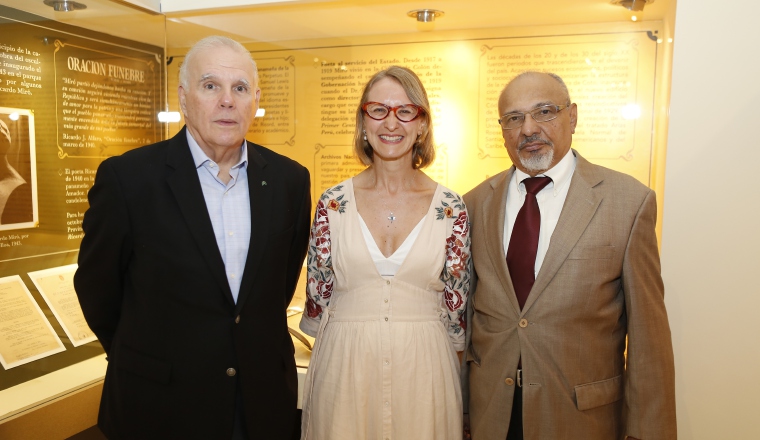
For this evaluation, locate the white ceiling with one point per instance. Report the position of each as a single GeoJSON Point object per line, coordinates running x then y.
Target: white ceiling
{"type": "Point", "coordinates": [315, 19]}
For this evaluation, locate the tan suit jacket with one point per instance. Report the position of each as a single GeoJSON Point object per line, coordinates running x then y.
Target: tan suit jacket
{"type": "Point", "coordinates": [599, 282]}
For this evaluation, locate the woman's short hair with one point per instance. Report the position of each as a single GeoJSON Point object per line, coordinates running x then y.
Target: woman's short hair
{"type": "Point", "coordinates": [424, 150]}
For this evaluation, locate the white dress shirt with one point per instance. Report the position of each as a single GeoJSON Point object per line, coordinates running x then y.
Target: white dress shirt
{"type": "Point", "coordinates": [550, 201]}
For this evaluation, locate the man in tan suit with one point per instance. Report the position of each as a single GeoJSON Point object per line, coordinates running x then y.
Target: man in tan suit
{"type": "Point", "coordinates": [554, 367]}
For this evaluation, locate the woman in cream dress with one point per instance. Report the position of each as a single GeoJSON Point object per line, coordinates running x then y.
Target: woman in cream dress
{"type": "Point", "coordinates": [387, 282]}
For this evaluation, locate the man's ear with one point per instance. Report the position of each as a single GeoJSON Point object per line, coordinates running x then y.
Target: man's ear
{"type": "Point", "coordinates": [573, 116]}
{"type": "Point", "coordinates": [181, 93]}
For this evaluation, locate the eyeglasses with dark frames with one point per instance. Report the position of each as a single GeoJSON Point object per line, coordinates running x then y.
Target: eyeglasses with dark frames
{"type": "Point", "coordinates": [544, 113]}
{"type": "Point", "coordinates": [404, 113]}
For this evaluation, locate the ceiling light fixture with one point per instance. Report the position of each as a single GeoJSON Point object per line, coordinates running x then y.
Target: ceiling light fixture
{"type": "Point", "coordinates": [425, 15]}
{"type": "Point", "coordinates": [65, 5]}
{"type": "Point", "coordinates": [632, 5]}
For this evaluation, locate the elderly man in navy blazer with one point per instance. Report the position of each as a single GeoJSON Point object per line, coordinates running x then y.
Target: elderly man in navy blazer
{"type": "Point", "coordinates": [191, 254]}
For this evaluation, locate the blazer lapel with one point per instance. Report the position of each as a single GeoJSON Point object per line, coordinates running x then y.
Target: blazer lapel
{"type": "Point", "coordinates": [186, 187]}
{"type": "Point", "coordinates": [578, 210]}
{"type": "Point", "coordinates": [493, 213]}
{"type": "Point", "coordinates": [261, 191]}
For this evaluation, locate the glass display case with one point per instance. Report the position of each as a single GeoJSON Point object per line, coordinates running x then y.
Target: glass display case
{"type": "Point", "coordinates": [75, 88]}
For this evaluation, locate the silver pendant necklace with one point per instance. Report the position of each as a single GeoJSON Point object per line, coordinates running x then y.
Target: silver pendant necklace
{"type": "Point", "coordinates": [392, 217]}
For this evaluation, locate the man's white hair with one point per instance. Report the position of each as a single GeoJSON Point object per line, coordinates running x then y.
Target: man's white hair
{"type": "Point", "coordinates": [211, 42]}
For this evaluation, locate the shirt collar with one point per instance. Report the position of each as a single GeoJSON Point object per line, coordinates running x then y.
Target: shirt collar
{"type": "Point", "coordinates": [560, 173]}
{"type": "Point", "coordinates": [199, 157]}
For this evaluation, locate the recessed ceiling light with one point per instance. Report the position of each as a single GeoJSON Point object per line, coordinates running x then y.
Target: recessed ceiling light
{"type": "Point", "coordinates": [65, 5]}
{"type": "Point", "coordinates": [425, 15]}
{"type": "Point", "coordinates": [632, 5]}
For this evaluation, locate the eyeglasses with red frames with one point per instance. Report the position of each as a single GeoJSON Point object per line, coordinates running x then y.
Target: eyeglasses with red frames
{"type": "Point", "coordinates": [404, 113]}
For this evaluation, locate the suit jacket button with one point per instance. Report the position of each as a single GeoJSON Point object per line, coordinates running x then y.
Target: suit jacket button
{"type": "Point", "coordinates": [237, 319]}
{"type": "Point", "coordinates": [231, 372]}
{"type": "Point", "coordinates": [509, 381]}
{"type": "Point", "coordinates": [523, 323]}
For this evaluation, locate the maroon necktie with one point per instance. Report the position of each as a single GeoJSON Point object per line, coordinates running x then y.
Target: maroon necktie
{"type": "Point", "coordinates": [523, 244]}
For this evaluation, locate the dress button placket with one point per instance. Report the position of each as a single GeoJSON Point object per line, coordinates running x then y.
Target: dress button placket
{"type": "Point", "coordinates": [386, 360]}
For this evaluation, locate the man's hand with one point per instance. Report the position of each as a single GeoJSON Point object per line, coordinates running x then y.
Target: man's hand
{"type": "Point", "coordinates": [466, 428]}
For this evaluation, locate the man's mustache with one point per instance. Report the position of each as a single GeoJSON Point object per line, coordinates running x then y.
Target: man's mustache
{"type": "Point", "coordinates": [534, 138]}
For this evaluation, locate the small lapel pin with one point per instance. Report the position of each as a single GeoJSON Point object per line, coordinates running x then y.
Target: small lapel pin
{"type": "Point", "coordinates": [263, 183]}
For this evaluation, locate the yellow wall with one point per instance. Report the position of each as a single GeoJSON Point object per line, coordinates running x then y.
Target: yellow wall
{"type": "Point", "coordinates": [606, 66]}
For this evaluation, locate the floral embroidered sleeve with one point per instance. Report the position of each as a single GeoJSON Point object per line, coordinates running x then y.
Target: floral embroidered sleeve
{"type": "Point", "coordinates": [456, 273]}
{"type": "Point", "coordinates": [319, 273]}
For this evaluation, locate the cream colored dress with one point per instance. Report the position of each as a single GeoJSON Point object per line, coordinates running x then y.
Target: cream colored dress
{"type": "Point", "coordinates": [384, 365]}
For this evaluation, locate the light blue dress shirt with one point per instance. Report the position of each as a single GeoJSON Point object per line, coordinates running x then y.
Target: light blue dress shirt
{"type": "Point", "coordinates": [229, 207]}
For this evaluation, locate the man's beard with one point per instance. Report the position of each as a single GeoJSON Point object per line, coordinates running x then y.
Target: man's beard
{"type": "Point", "coordinates": [537, 162]}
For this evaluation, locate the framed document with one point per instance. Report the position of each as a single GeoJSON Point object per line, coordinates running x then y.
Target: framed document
{"type": "Point", "coordinates": [18, 171]}
{"type": "Point", "coordinates": [56, 285]}
{"type": "Point", "coordinates": [25, 334]}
